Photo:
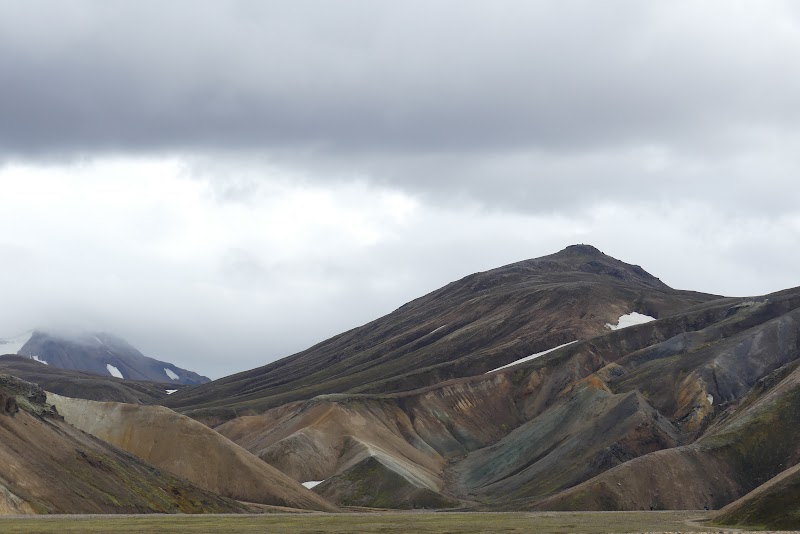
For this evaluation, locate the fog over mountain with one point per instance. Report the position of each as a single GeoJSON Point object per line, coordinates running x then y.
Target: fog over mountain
{"type": "Point", "coordinates": [223, 184]}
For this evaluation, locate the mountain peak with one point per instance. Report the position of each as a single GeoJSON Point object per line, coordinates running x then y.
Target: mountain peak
{"type": "Point", "coordinates": [583, 258]}
{"type": "Point", "coordinates": [582, 249]}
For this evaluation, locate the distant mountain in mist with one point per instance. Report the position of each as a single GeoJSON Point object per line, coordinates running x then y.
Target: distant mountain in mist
{"type": "Point", "coordinates": [98, 353]}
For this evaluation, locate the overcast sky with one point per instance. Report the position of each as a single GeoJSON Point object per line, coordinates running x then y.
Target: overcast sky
{"type": "Point", "coordinates": [226, 183]}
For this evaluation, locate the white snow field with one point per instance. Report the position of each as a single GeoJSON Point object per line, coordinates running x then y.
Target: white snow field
{"type": "Point", "coordinates": [36, 359]}
{"type": "Point", "coordinates": [630, 319]}
{"type": "Point", "coordinates": [311, 483]}
{"type": "Point", "coordinates": [113, 371]}
{"type": "Point", "coordinates": [532, 356]}
{"type": "Point", "coordinates": [170, 391]}
{"type": "Point", "coordinates": [170, 374]}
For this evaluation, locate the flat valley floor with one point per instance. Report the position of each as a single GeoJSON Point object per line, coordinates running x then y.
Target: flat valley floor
{"type": "Point", "coordinates": [381, 522]}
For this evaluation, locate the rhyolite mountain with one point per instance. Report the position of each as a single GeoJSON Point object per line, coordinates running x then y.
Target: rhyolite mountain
{"type": "Point", "coordinates": [127, 458]}
{"type": "Point", "coordinates": [98, 353]}
{"type": "Point", "coordinates": [191, 450]}
{"type": "Point", "coordinates": [48, 466]}
{"type": "Point", "coordinates": [468, 327]}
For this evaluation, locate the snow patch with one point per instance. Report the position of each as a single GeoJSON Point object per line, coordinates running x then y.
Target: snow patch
{"type": "Point", "coordinates": [531, 357]}
{"type": "Point", "coordinates": [36, 359]}
{"type": "Point", "coordinates": [170, 374]}
{"type": "Point", "coordinates": [311, 483]}
{"type": "Point", "coordinates": [441, 327]}
{"type": "Point", "coordinates": [14, 345]}
{"type": "Point", "coordinates": [98, 340]}
{"type": "Point", "coordinates": [171, 391]}
{"type": "Point", "coordinates": [630, 319]}
{"type": "Point", "coordinates": [113, 371]}
{"type": "Point", "coordinates": [710, 398]}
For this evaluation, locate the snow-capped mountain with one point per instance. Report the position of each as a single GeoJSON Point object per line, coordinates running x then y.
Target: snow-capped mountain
{"type": "Point", "coordinates": [98, 353]}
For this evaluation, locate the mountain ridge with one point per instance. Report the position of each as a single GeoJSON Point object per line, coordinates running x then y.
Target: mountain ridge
{"type": "Point", "coordinates": [470, 326]}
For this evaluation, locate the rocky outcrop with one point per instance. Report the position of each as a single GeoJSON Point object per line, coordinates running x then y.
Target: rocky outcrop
{"type": "Point", "coordinates": [27, 395]}
{"type": "Point", "coordinates": [8, 404]}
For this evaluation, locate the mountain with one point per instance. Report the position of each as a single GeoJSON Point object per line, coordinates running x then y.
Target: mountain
{"type": "Point", "coordinates": [98, 353]}
{"type": "Point", "coordinates": [523, 388]}
{"type": "Point", "coordinates": [695, 409]}
{"type": "Point", "coordinates": [48, 466]}
{"type": "Point", "coordinates": [468, 327]}
{"type": "Point", "coordinates": [569, 382]}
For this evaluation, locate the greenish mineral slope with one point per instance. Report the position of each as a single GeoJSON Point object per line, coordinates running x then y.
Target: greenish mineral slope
{"type": "Point", "coordinates": [753, 441]}
{"type": "Point", "coordinates": [775, 505]}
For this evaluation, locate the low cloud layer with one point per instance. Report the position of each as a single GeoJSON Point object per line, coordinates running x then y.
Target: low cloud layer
{"type": "Point", "coordinates": [226, 183]}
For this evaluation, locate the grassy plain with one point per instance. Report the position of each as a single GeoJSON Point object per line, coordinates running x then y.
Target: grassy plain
{"type": "Point", "coordinates": [389, 522]}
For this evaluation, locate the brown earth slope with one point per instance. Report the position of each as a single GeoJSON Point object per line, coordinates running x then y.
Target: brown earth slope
{"type": "Point", "coordinates": [775, 505]}
{"type": "Point", "coordinates": [188, 449]}
{"type": "Point", "coordinates": [463, 329]}
{"type": "Point", "coordinates": [48, 466]}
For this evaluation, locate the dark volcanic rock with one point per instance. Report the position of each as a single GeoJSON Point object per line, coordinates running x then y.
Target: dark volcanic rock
{"type": "Point", "coordinates": [8, 404]}
{"type": "Point", "coordinates": [26, 395]}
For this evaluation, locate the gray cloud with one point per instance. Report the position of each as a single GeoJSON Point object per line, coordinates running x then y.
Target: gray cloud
{"type": "Point", "coordinates": [528, 106]}
{"type": "Point", "coordinates": [362, 77]}
{"type": "Point", "coordinates": [227, 182]}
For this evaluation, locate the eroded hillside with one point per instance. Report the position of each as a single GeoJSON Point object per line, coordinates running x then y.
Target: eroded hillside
{"type": "Point", "coordinates": [187, 449]}
{"type": "Point", "coordinates": [663, 403]}
{"type": "Point", "coordinates": [48, 466]}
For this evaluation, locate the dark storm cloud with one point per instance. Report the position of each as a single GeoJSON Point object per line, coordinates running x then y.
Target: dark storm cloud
{"type": "Point", "coordinates": [372, 77]}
